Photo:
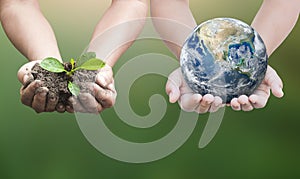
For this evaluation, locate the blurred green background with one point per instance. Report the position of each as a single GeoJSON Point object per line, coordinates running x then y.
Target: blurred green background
{"type": "Point", "coordinates": [259, 144]}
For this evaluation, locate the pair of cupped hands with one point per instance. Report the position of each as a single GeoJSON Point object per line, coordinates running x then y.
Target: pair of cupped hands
{"type": "Point", "coordinates": [104, 94]}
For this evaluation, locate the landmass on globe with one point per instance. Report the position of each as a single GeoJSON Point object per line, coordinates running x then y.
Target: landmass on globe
{"type": "Point", "coordinates": [224, 57]}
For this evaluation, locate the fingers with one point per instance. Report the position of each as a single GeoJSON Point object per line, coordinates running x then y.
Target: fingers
{"type": "Point", "coordinates": [177, 88]}
{"type": "Point", "coordinates": [241, 103]}
{"type": "Point", "coordinates": [260, 96]}
{"type": "Point", "coordinates": [235, 105]}
{"type": "Point", "coordinates": [26, 69]}
{"type": "Point", "coordinates": [39, 100]}
{"type": "Point", "coordinates": [195, 102]}
{"type": "Point", "coordinates": [85, 103]}
{"type": "Point", "coordinates": [189, 102]}
{"type": "Point", "coordinates": [27, 94]}
{"type": "Point", "coordinates": [52, 101]}
{"type": "Point", "coordinates": [173, 85]}
{"type": "Point", "coordinates": [60, 108]}
{"type": "Point", "coordinates": [258, 102]}
{"type": "Point", "coordinates": [104, 76]}
{"type": "Point", "coordinates": [69, 108]}
{"type": "Point", "coordinates": [216, 105]}
{"type": "Point", "coordinates": [205, 104]}
{"type": "Point", "coordinates": [89, 103]}
{"type": "Point", "coordinates": [273, 80]}
{"type": "Point", "coordinates": [27, 79]}
{"type": "Point", "coordinates": [105, 97]}
{"type": "Point", "coordinates": [249, 103]}
{"type": "Point", "coordinates": [245, 103]}
{"type": "Point", "coordinates": [96, 102]}
{"type": "Point", "coordinates": [77, 106]}
{"type": "Point", "coordinates": [173, 92]}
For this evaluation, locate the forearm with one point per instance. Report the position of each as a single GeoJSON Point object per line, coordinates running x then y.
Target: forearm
{"type": "Point", "coordinates": [27, 29]}
{"type": "Point", "coordinates": [174, 22]}
{"type": "Point", "coordinates": [275, 20]}
{"type": "Point", "coordinates": [119, 27]}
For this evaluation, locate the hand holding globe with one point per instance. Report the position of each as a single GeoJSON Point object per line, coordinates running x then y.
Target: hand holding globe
{"type": "Point", "coordinates": [223, 57]}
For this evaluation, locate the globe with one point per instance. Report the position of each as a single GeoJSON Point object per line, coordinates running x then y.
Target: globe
{"type": "Point", "coordinates": [224, 57]}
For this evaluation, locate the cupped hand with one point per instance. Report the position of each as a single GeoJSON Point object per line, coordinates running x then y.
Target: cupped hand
{"type": "Point", "coordinates": [178, 90]}
{"type": "Point", "coordinates": [102, 96]}
{"type": "Point", "coordinates": [259, 98]}
{"type": "Point", "coordinates": [33, 94]}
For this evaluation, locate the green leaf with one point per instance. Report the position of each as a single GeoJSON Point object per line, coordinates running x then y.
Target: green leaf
{"type": "Point", "coordinates": [73, 88]}
{"type": "Point", "coordinates": [85, 57]}
{"type": "Point", "coordinates": [52, 65]}
{"type": "Point", "coordinates": [92, 64]}
{"type": "Point", "coordinates": [72, 61]}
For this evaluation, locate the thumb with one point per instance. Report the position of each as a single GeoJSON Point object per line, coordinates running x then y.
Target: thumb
{"type": "Point", "coordinates": [173, 86]}
{"type": "Point", "coordinates": [274, 82]}
{"type": "Point", "coordinates": [173, 93]}
{"type": "Point", "coordinates": [105, 76]}
{"type": "Point", "coordinates": [25, 70]}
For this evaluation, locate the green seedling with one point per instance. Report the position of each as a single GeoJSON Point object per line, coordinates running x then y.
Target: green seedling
{"type": "Point", "coordinates": [87, 61]}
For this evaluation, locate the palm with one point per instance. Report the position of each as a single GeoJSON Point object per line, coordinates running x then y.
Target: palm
{"type": "Point", "coordinates": [178, 90]}
{"type": "Point", "coordinates": [261, 95]}
{"type": "Point", "coordinates": [33, 94]}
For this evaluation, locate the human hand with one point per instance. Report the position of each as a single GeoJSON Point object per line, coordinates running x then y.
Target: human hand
{"type": "Point", "coordinates": [178, 90]}
{"type": "Point", "coordinates": [261, 95]}
{"type": "Point", "coordinates": [102, 96]}
{"type": "Point", "coordinates": [34, 95]}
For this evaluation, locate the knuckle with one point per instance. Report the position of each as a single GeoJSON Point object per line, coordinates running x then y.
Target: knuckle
{"type": "Point", "coordinates": [38, 110]}
{"type": "Point", "coordinates": [25, 102]}
{"type": "Point", "coordinates": [184, 107]}
{"type": "Point", "coordinates": [260, 105]}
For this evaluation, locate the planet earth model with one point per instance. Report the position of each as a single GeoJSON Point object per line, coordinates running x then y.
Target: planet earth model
{"type": "Point", "coordinates": [224, 57]}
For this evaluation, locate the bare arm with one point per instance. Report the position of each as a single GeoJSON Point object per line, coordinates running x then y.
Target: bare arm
{"type": "Point", "coordinates": [118, 28]}
{"type": "Point", "coordinates": [182, 22]}
{"type": "Point", "coordinates": [174, 28]}
{"type": "Point", "coordinates": [28, 29]}
{"type": "Point", "coordinates": [114, 34]}
{"type": "Point", "coordinates": [275, 20]}
{"type": "Point", "coordinates": [268, 22]}
{"type": "Point", "coordinates": [31, 34]}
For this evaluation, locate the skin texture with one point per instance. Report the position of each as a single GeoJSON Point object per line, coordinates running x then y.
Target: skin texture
{"type": "Point", "coordinates": [33, 95]}
{"type": "Point", "coordinates": [268, 18]}
{"type": "Point", "coordinates": [25, 27]}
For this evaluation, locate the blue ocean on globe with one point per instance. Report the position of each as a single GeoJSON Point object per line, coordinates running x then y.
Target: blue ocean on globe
{"type": "Point", "coordinates": [224, 57]}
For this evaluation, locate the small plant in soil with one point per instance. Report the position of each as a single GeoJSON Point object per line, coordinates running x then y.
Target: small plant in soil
{"type": "Point", "coordinates": [66, 79]}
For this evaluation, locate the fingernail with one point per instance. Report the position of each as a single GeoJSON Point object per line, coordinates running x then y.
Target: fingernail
{"type": "Point", "coordinates": [43, 94]}
{"type": "Point", "coordinates": [208, 102]}
{"type": "Point", "coordinates": [170, 96]}
{"type": "Point", "coordinates": [25, 78]}
{"type": "Point", "coordinates": [281, 91]}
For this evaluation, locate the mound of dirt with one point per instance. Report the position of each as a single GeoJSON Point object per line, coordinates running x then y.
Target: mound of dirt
{"type": "Point", "coordinates": [57, 83]}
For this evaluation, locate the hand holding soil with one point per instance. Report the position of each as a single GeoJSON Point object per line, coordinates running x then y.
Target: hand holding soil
{"type": "Point", "coordinates": [97, 95]}
{"type": "Point", "coordinates": [33, 94]}
{"type": "Point", "coordinates": [48, 85]}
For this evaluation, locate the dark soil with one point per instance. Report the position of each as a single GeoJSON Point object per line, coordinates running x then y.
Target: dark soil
{"type": "Point", "coordinates": [57, 83]}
